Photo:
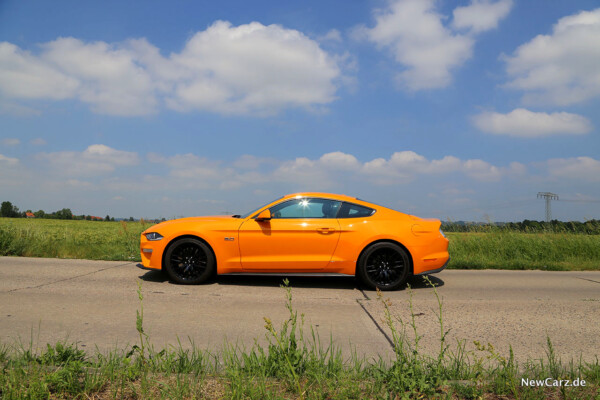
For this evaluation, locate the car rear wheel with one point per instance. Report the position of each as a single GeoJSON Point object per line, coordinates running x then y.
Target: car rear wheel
{"type": "Point", "coordinates": [189, 261]}
{"type": "Point", "coordinates": [384, 266]}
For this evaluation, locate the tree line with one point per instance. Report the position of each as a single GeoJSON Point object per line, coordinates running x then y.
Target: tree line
{"type": "Point", "coordinates": [589, 227]}
{"type": "Point", "coordinates": [8, 210]}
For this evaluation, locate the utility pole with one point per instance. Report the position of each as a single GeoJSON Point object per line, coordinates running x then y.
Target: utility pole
{"type": "Point", "coordinates": [548, 197]}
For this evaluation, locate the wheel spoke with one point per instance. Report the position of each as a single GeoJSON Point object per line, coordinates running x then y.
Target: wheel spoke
{"type": "Point", "coordinates": [385, 267]}
{"type": "Point", "coordinates": [188, 261]}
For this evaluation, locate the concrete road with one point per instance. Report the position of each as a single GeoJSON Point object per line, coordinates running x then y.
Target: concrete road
{"type": "Point", "coordinates": [94, 303]}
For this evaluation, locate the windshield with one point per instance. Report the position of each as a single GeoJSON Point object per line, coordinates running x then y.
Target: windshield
{"type": "Point", "coordinates": [256, 209]}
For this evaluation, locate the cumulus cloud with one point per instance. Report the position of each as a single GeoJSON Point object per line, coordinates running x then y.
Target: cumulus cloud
{"type": "Point", "coordinates": [405, 166]}
{"type": "Point", "coordinates": [4, 160]}
{"type": "Point", "coordinates": [110, 78]}
{"type": "Point", "coordinates": [481, 15]}
{"type": "Point", "coordinates": [561, 68]}
{"type": "Point", "coordinates": [414, 33]}
{"type": "Point", "coordinates": [576, 168]}
{"type": "Point", "coordinates": [329, 171]}
{"type": "Point", "coordinates": [333, 35]}
{"type": "Point", "coordinates": [100, 174]}
{"type": "Point", "coordinates": [253, 68]}
{"type": "Point", "coordinates": [11, 142]}
{"type": "Point", "coordinates": [247, 69]}
{"type": "Point", "coordinates": [524, 123]}
{"type": "Point", "coordinates": [26, 76]}
{"type": "Point", "coordinates": [97, 159]}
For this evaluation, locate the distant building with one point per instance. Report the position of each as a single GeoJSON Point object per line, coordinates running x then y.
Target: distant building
{"type": "Point", "coordinates": [30, 215]}
{"type": "Point", "coordinates": [96, 218]}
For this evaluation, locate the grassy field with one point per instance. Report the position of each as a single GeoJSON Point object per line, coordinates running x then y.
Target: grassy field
{"type": "Point", "coordinates": [293, 366]}
{"type": "Point", "coordinates": [94, 240]}
{"type": "Point", "coordinates": [497, 248]}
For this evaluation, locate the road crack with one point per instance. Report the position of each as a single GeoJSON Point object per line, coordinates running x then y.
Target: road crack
{"type": "Point", "coordinates": [379, 328]}
{"type": "Point", "coordinates": [66, 279]}
{"type": "Point", "coordinates": [585, 279]}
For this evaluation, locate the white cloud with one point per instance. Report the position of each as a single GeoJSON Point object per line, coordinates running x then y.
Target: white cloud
{"type": "Point", "coordinates": [97, 159]}
{"type": "Point", "coordinates": [561, 68]}
{"type": "Point", "coordinates": [4, 160]}
{"type": "Point", "coordinates": [333, 35]}
{"type": "Point", "coordinates": [111, 80]}
{"type": "Point", "coordinates": [481, 15]}
{"type": "Point", "coordinates": [95, 178]}
{"type": "Point", "coordinates": [16, 109]}
{"type": "Point", "coordinates": [524, 123]}
{"type": "Point", "coordinates": [253, 68]}
{"type": "Point", "coordinates": [11, 142]}
{"type": "Point", "coordinates": [38, 142]}
{"type": "Point", "coordinates": [339, 161]}
{"type": "Point", "coordinates": [412, 30]}
{"type": "Point", "coordinates": [576, 168]}
{"type": "Point", "coordinates": [248, 69]}
{"type": "Point", "coordinates": [405, 166]}
{"type": "Point", "coordinates": [25, 76]}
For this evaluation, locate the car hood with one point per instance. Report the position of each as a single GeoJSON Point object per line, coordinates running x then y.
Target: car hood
{"type": "Point", "coordinates": [194, 220]}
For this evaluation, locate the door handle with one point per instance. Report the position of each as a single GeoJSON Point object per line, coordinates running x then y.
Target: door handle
{"type": "Point", "coordinates": [326, 230]}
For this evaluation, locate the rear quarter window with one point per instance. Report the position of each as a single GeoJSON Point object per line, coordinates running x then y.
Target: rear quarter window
{"type": "Point", "coordinates": [350, 210]}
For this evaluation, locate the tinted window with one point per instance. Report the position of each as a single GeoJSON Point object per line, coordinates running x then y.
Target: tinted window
{"type": "Point", "coordinates": [350, 210]}
{"type": "Point", "coordinates": [306, 208]}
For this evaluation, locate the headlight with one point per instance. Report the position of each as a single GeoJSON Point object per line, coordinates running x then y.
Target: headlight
{"type": "Point", "coordinates": [442, 232]}
{"type": "Point", "coordinates": [153, 236]}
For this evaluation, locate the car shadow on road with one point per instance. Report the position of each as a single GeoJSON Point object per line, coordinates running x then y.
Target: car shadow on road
{"type": "Point", "coordinates": [314, 282]}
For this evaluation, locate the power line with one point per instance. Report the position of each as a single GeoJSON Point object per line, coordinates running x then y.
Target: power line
{"type": "Point", "coordinates": [581, 201]}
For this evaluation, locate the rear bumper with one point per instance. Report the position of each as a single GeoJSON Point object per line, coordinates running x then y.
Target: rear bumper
{"type": "Point", "coordinates": [435, 271]}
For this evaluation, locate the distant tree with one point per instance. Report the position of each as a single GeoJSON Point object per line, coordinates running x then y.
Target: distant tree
{"type": "Point", "coordinates": [113, 219]}
{"type": "Point", "coordinates": [107, 218]}
{"type": "Point", "coordinates": [8, 210]}
{"type": "Point", "coordinates": [40, 214]}
{"type": "Point", "coordinates": [131, 219]}
{"type": "Point", "coordinates": [88, 217]}
{"type": "Point", "coordinates": [65, 213]}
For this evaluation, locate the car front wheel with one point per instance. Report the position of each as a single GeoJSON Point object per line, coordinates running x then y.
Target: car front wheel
{"type": "Point", "coordinates": [189, 261]}
{"type": "Point", "coordinates": [384, 266]}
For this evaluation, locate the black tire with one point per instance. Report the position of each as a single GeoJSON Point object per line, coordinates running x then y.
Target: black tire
{"type": "Point", "coordinates": [383, 266]}
{"type": "Point", "coordinates": [189, 261]}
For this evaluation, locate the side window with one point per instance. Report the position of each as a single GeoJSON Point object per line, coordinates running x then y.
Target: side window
{"type": "Point", "coordinates": [306, 208]}
{"type": "Point", "coordinates": [350, 210]}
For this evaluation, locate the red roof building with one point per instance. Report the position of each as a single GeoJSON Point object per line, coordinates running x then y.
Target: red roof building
{"type": "Point", "coordinates": [30, 215]}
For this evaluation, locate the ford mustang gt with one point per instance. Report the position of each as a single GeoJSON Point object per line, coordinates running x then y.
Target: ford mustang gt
{"type": "Point", "coordinates": [300, 233]}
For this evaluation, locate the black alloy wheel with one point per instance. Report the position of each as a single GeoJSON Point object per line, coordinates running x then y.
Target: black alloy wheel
{"type": "Point", "coordinates": [189, 261]}
{"type": "Point", "coordinates": [384, 266]}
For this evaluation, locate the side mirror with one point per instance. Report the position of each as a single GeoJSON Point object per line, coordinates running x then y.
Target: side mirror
{"type": "Point", "coordinates": [265, 215]}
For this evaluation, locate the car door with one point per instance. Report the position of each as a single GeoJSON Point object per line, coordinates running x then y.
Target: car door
{"type": "Point", "coordinates": [301, 236]}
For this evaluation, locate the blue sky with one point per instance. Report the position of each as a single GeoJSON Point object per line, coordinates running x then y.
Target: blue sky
{"type": "Point", "coordinates": [459, 110]}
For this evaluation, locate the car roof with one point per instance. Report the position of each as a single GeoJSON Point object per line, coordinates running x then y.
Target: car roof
{"type": "Point", "coordinates": [342, 197]}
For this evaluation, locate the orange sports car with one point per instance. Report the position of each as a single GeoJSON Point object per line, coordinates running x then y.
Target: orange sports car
{"type": "Point", "coordinates": [300, 233]}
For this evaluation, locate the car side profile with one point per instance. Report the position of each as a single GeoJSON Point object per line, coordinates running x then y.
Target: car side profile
{"type": "Point", "coordinates": [300, 233]}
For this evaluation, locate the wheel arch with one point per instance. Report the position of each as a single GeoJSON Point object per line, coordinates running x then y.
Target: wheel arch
{"type": "Point", "coordinates": [187, 236]}
{"type": "Point", "coordinates": [410, 258]}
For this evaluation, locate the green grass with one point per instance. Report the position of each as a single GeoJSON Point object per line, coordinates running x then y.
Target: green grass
{"type": "Point", "coordinates": [93, 240]}
{"type": "Point", "coordinates": [506, 249]}
{"type": "Point", "coordinates": [294, 365]}
{"type": "Point", "coordinates": [497, 248]}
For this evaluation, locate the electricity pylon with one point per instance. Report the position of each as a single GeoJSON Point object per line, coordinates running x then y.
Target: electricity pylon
{"type": "Point", "coordinates": [548, 196]}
